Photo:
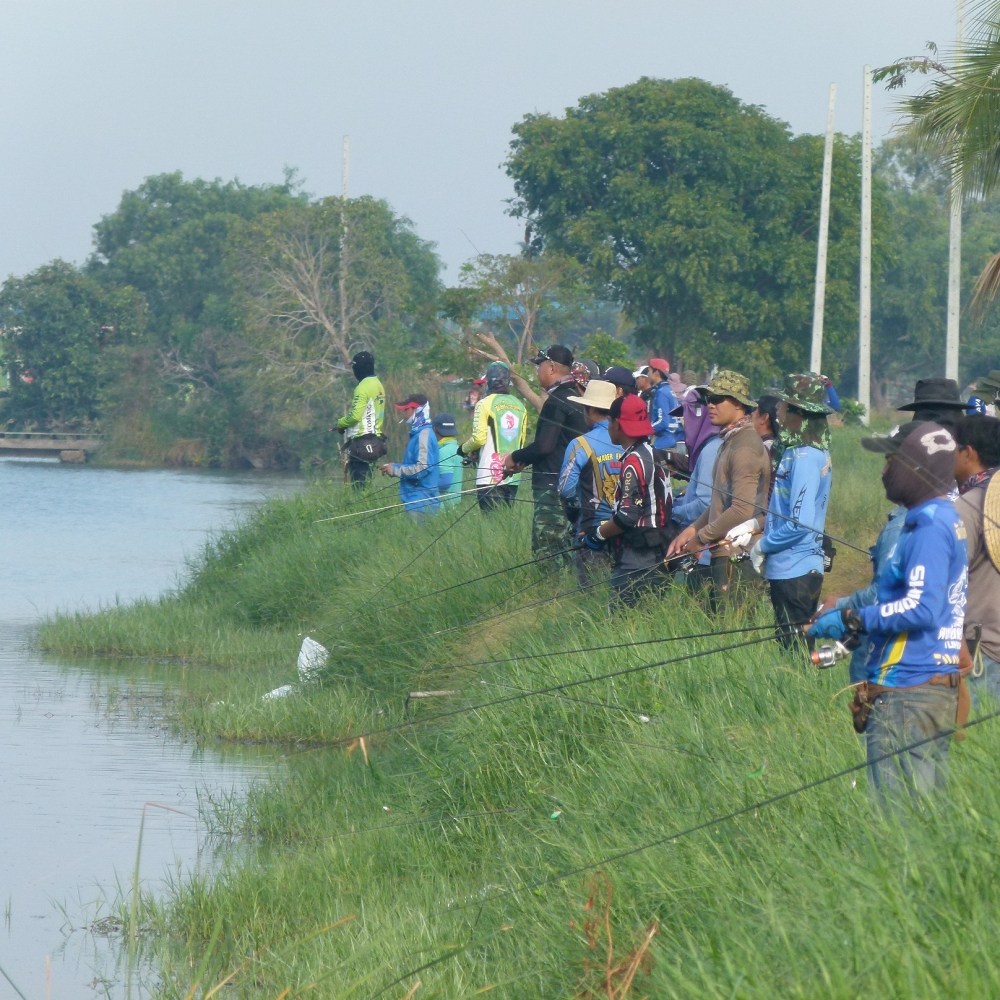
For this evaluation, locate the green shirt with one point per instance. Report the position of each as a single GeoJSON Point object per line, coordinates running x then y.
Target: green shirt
{"type": "Point", "coordinates": [367, 409]}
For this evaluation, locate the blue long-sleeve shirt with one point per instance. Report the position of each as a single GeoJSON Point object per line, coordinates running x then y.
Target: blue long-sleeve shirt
{"type": "Point", "coordinates": [698, 495]}
{"type": "Point", "coordinates": [590, 469]}
{"type": "Point", "coordinates": [879, 553]}
{"type": "Point", "coordinates": [916, 624]}
{"type": "Point", "coordinates": [664, 425]}
{"type": "Point", "coordinates": [418, 472]}
{"type": "Point", "coordinates": [796, 514]}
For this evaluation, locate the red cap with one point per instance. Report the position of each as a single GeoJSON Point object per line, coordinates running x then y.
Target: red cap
{"type": "Point", "coordinates": [660, 364]}
{"type": "Point", "coordinates": [634, 417]}
{"type": "Point", "coordinates": [413, 402]}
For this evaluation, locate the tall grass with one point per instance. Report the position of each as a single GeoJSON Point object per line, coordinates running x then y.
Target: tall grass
{"type": "Point", "coordinates": [611, 837]}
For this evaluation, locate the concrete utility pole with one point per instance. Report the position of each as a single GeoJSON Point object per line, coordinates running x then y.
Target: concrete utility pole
{"type": "Point", "coordinates": [865, 282]}
{"type": "Point", "coordinates": [345, 170]}
{"type": "Point", "coordinates": [819, 301]}
{"type": "Point", "coordinates": [955, 243]}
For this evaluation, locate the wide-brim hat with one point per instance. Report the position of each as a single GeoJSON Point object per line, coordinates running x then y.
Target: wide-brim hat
{"type": "Point", "coordinates": [599, 395]}
{"type": "Point", "coordinates": [727, 383]}
{"type": "Point", "coordinates": [806, 392]}
{"type": "Point", "coordinates": [935, 394]}
{"type": "Point", "coordinates": [989, 384]}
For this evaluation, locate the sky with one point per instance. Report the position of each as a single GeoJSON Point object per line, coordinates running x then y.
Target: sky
{"type": "Point", "coordinates": [97, 96]}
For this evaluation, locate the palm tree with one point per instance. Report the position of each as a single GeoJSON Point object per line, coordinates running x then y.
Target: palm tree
{"type": "Point", "coordinates": [958, 115]}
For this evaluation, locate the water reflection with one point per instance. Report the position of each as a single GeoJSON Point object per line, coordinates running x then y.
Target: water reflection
{"type": "Point", "coordinates": [83, 750]}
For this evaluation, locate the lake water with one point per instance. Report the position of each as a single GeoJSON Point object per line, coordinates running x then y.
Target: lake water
{"type": "Point", "coordinates": [83, 754]}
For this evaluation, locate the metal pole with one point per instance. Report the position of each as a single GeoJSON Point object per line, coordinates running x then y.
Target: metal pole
{"type": "Point", "coordinates": [342, 264]}
{"type": "Point", "coordinates": [955, 245]}
{"type": "Point", "coordinates": [865, 310]}
{"type": "Point", "coordinates": [816, 356]}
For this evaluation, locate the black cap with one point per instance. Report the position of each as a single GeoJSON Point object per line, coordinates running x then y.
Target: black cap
{"type": "Point", "coordinates": [620, 376]}
{"type": "Point", "coordinates": [556, 353]}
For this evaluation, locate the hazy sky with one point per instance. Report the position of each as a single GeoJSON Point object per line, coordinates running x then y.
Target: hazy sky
{"type": "Point", "coordinates": [96, 96]}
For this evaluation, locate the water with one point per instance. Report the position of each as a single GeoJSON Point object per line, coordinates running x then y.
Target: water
{"type": "Point", "coordinates": [82, 751]}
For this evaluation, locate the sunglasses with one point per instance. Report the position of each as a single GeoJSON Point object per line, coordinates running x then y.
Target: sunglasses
{"type": "Point", "coordinates": [714, 400]}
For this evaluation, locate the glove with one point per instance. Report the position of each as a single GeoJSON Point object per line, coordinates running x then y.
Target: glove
{"type": "Point", "coordinates": [593, 540]}
{"type": "Point", "coordinates": [739, 537]}
{"type": "Point", "coordinates": [757, 558]}
{"type": "Point", "coordinates": [829, 625]}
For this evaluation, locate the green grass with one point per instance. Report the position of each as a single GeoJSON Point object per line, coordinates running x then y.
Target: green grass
{"type": "Point", "coordinates": [524, 845]}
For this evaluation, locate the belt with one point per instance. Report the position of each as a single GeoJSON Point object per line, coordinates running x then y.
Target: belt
{"type": "Point", "coordinates": [953, 680]}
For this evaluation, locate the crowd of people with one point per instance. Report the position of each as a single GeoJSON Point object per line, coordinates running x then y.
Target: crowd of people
{"type": "Point", "coordinates": [751, 515]}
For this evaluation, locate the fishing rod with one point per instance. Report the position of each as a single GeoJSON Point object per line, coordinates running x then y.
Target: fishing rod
{"type": "Point", "coordinates": [614, 645]}
{"type": "Point", "coordinates": [579, 589]}
{"type": "Point", "coordinates": [564, 686]}
{"type": "Point", "coordinates": [485, 898]}
{"type": "Point", "coordinates": [753, 807]}
{"type": "Point", "coordinates": [429, 545]}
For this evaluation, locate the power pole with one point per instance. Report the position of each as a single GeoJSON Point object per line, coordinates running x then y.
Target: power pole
{"type": "Point", "coordinates": [819, 301]}
{"type": "Point", "coordinates": [345, 170]}
{"type": "Point", "coordinates": [865, 282]}
{"type": "Point", "coordinates": [955, 244]}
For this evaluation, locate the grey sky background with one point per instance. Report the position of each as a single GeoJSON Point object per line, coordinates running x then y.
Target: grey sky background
{"type": "Point", "coordinates": [98, 96]}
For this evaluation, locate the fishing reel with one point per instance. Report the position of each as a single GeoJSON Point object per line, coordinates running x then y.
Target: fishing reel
{"type": "Point", "coordinates": [686, 563]}
{"type": "Point", "coordinates": [830, 653]}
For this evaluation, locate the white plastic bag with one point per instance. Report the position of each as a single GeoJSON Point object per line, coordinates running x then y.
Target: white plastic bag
{"type": "Point", "coordinates": [312, 660]}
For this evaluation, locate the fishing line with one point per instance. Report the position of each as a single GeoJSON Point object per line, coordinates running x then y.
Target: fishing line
{"type": "Point", "coordinates": [478, 579]}
{"type": "Point", "coordinates": [429, 545]}
{"type": "Point", "coordinates": [590, 703]}
{"type": "Point", "coordinates": [579, 589]}
{"type": "Point", "coordinates": [565, 686]}
{"type": "Point", "coordinates": [735, 814]}
{"type": "Point", "coordinates": [784, 517]}
{"type": "Point", "coordinates": [509, 892]}
{"type": "Point", "coordinates": [614, 645]}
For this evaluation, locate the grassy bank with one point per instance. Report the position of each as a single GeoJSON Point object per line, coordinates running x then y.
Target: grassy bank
{"type": "Point", "coordinates": [661, 822]}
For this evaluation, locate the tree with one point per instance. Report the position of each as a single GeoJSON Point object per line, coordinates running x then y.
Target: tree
{"type": "Point", "coordinates": [697, 212]}
{"type": "Point", "coordinates": [168, 240]}
{"type": "Point", "coordinates": [321, 281]}
{"type": "Point", "coordinates": [59, 328]}
{"type": "Point", "coordinates": [957, 117]}
{"type": "Point", "coordinates": [516, 295]}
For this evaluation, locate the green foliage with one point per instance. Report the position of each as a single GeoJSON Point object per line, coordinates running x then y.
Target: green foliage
{"type": "Point", "coordinates": [852, 411]}
{"type": "Point", "coordinates": [698, 212]}
{"type": "Point", "coordinates": [488, 835]}
{"type": "Point", "coordinates": [61, 329]}
{"type": "Point", "coordinates": [606, 350]}
{"type": "Point", "coordinates": [527, 300]}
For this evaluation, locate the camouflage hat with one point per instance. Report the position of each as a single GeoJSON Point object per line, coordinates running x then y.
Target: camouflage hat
{"type": "Point", "coordinates": [989, 385]}
{"type": "Point", "coordinates": [806, 392]}
{"type": "Point", "coordinates": [727, 383]}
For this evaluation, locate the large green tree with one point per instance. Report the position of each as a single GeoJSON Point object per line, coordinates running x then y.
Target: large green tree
{"type": "Point", "coordinates": [698, 212]}
{"type": "Point", "coordinates": [62, 332]}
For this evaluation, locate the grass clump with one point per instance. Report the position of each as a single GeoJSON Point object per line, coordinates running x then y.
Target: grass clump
{"type": "Point", "coordinates": [661, 821]}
